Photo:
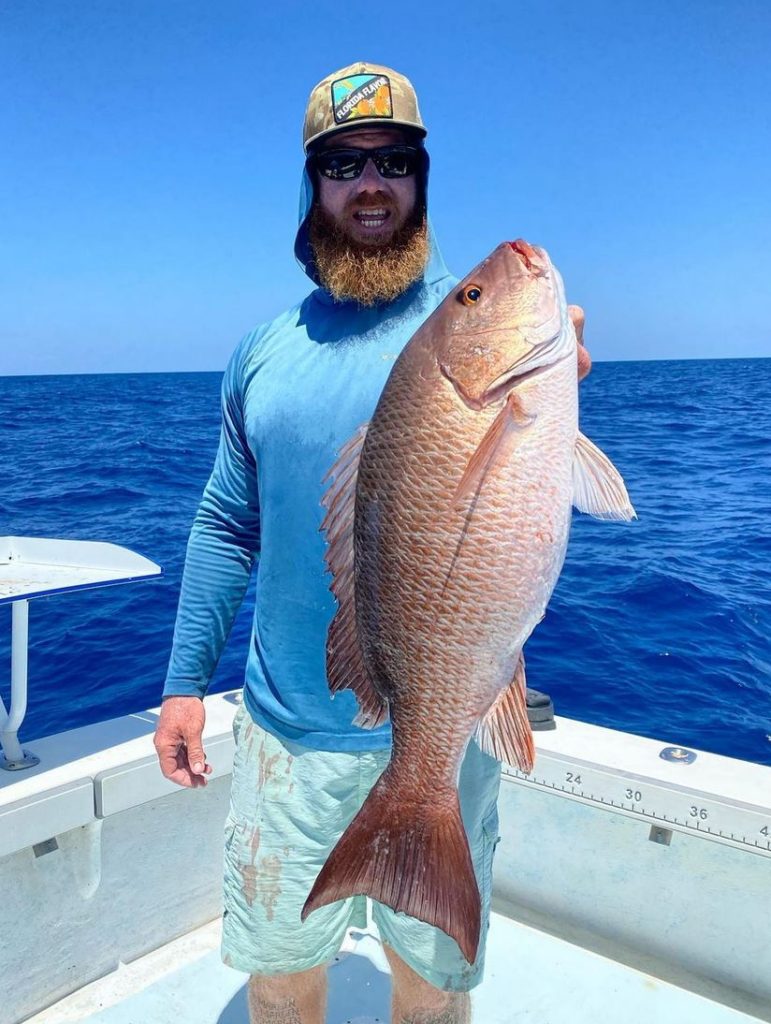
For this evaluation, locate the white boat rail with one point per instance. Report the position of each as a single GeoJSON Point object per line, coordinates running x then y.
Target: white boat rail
{"type": "Point", "coordinates": [33, 567]}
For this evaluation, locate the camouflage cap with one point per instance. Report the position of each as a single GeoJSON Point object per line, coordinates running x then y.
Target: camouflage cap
{"type": "Point", "coordinates": [360, 94]}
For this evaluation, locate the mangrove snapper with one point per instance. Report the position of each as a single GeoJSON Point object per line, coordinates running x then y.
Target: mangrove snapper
{"type": "Point", "coordinates": [447, 523]}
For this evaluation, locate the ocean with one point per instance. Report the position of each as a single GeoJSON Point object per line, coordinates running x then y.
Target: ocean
{"type": "Point", "coordinates": [661, 627]}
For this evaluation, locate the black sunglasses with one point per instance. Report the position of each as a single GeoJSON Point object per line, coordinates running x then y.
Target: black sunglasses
{"type": "Point", "coordinates": [347, 164]}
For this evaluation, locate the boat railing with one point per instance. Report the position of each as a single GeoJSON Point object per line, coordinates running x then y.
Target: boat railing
{"type": "Point", "coordinates": [33, 567]}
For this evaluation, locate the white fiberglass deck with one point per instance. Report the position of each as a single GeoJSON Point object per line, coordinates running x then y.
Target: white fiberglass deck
{"type": "Point", "coordinates": [529, 977]}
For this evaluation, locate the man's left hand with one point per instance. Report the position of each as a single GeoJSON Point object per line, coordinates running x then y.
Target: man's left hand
{"type": "Point", "coordinates": [584, 359]}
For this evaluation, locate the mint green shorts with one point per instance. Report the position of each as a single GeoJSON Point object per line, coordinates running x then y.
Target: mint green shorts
{"type": "Point", "coordinates": [289, 806]}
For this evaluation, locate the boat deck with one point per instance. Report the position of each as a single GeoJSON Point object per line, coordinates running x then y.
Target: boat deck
{"type": "Point", "coordinates": [530, 978]}
{"type": "Point", "coordinates": [626, 887]}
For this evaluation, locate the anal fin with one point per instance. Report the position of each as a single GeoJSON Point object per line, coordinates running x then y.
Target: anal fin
{"type": "Point", "coordinates": [504, 732]}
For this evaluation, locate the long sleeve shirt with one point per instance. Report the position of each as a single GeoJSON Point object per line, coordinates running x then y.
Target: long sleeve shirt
{"type": "Point", "coordinates": [293, 393]}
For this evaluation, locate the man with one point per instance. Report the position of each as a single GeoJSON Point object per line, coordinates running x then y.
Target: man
{"type": "Point", "coordinates": [294, 391]}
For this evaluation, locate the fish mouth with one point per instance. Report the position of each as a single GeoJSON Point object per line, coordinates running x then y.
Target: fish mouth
{"type": "Point", "coordinates": [535, 261]}
{"type": "Point", "coordinates": [545, 353]}
{"type": "Point", "coordinates": [544, 347]}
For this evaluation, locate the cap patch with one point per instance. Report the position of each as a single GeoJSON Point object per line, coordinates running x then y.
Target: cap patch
{"type": "Point", "coordinates": [361, 96]}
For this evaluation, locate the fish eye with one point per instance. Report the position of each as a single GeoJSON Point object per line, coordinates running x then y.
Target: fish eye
{"type": "Point", "coordinates": [471, 293]}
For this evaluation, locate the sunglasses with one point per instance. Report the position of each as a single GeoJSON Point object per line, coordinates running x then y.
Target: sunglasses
{"type": "Point", "coordinates": [347, 164]}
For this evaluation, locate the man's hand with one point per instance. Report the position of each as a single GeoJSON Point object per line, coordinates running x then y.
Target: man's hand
{"type": "Point", "coordinates": [179, 741]}
{"type": "Point", "coordinates": [584, 359]}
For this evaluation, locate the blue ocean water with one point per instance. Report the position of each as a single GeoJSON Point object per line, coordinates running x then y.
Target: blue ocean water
{"type": "Point", "coordinates": [661, 627]}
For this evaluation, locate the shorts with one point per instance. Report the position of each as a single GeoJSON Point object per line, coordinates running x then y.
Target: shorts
{"type": "Point", "coordinates": [289, 805]}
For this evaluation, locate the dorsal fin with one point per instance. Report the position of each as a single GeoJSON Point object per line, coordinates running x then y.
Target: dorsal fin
{"type": "Point", "coordinates": [345, 663]}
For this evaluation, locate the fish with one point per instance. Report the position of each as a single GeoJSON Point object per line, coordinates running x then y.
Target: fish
{"type": "Point", "coordinates": [447, 521]}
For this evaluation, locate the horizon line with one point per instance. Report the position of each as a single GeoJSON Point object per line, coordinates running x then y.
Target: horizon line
{"type": "Point", "coordinates": [167, 373]}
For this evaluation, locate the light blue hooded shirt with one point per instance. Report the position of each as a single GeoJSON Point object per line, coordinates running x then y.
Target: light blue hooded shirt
{"type": "Point", "coordinates": [294, 392]}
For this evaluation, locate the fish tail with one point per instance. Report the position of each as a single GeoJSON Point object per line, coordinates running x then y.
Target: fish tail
{"type": "Point", "coordinates": [410, 855]}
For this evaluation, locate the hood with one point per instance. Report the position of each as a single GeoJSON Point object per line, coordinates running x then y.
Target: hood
{"type": "Point", "coordinates": [435, 270]}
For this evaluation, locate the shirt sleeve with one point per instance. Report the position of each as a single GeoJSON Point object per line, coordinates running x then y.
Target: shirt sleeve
{"type": "Point", "coordinates": [224, 545]}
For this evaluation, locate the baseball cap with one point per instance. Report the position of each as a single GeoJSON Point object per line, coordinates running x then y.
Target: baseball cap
{"type": "Point", "coordinates": [357, 95]}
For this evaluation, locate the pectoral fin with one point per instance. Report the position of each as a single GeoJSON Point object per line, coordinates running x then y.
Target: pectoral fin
{"type": "Point", "coordinates": [505, 731]}
{"type": "Point", "coordinates": [493, 447]}
{"type": "Point", "coordinates": [598, 488]}
{"type": "Point", "coordinates": [345, 663]}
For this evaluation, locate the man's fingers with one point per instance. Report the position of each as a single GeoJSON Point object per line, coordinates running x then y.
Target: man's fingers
{"type": "Point", "coordinates": [167, 758]}
{"type": "Point", "coordinates": [174, 766]}
{"type": "Point", "coordinates": [179, 741]}
{"type": "Point", "coordinates": [584, 362]}
{"type": "Point", "coordinates": [578, 318]}
{"type": "Point", "coordinates": [179, 764]}
{"type": "Point", "coordinates": [576, 314]}
{"type": "Point", "coordinates": [182, 777]}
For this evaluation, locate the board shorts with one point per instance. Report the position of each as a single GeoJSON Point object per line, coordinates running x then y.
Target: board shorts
{"type": "Point", "coordinates": [289, 805]}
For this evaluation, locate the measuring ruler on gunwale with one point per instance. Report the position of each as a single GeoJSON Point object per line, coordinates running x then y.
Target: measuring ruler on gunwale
{"type": "Point", "coordinates": [665, 805]}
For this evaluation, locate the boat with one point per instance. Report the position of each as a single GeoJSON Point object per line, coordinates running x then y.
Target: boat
{"type": "Point", "coordinates": [632, 880]}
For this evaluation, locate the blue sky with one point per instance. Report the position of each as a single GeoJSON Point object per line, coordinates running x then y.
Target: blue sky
{"type": "Point", "coordinates": [151, 156]}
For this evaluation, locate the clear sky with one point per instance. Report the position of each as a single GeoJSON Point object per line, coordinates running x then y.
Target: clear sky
{"type": "Point", "coordinates": [150, 159]}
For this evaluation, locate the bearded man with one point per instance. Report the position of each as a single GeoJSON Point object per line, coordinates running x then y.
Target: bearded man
{"type": "Point", "coordinates": [294, 392]}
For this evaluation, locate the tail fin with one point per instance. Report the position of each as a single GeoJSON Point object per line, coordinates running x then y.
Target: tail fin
{"type": "Point", "coordinates": [414, 857]}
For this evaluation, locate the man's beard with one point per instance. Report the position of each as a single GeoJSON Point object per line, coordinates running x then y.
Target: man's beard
{"type": "Point", "coordinates": [368, 274]}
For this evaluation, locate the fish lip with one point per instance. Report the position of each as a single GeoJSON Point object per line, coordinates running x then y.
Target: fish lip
{"type": "Point", "coordinates": [531, 256]}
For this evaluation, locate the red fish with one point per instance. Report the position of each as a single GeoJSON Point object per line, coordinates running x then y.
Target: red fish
{"type": "Point", "coordinates": [447, 524]}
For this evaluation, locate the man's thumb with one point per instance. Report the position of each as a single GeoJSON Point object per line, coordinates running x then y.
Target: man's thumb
{"type": "Point", "coordinates": [195, 755]}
